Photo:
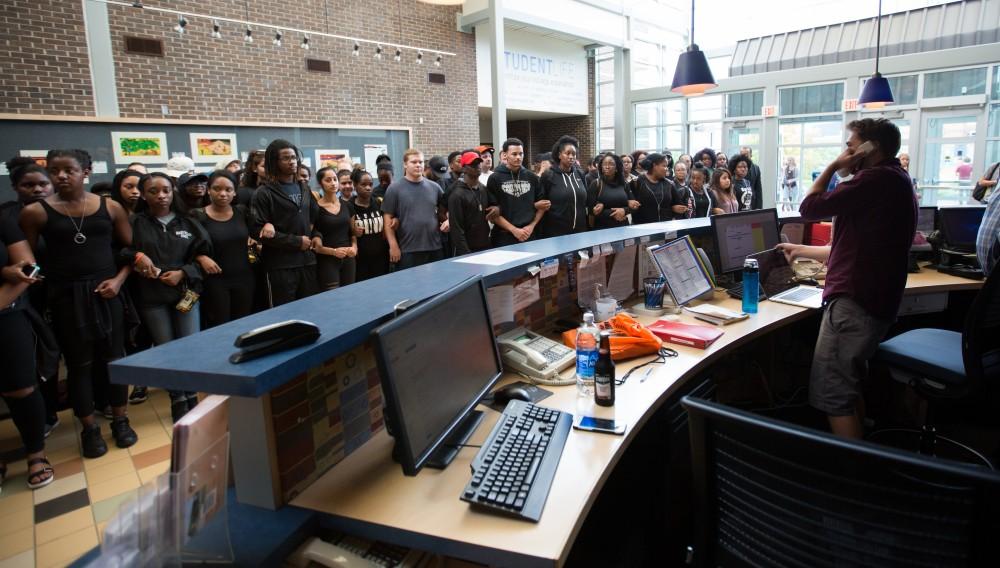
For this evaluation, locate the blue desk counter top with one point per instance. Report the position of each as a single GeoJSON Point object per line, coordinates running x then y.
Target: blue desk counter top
{"type": "Point", "coordinates": [345, 317]}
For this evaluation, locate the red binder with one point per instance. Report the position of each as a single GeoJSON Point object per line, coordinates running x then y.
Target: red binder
{"type": "Point", "coordinates": [699, 336]}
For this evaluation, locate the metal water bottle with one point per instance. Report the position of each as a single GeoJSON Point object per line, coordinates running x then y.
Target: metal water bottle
{"type": "Point", "coordinates": [751, 285]}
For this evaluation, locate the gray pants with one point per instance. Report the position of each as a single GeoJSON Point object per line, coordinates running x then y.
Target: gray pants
{"type": "Point", "coordinates": [848, 338]}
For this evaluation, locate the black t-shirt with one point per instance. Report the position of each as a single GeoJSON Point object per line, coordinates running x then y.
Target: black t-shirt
{"type": "Point", "coordinates": [612, 196]}
{"type": "Point", "coordinates": [336, 229]}
{"type": "Point", "coordinates": [10, 233]}
{"type": "Point", "coordinates": [229, 243]}
{"type": "Point", "coordinates": [293, 191]}
{"type": "Point", "coordinates": [373, 249]}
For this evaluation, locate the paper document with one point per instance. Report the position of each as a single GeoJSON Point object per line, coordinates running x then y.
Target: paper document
{"type": "Point", "coordinates": [501, 302]}
{"type": "Point", "coordinates": [550, 267]}
{"type": "Point", "coordinates": [587, 276]}
{"type": "Point", "coordinates": [525, 294]}
{"type": "Point", "coordinates": [496, 257]}
{"type": "Point", "coordinates": [621, 285]}
{"type": "Point", "coordinates": [648, 268]}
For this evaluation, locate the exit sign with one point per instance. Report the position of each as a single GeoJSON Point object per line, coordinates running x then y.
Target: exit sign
{"type": "Point", "coordinates": [769, 110]}
{"type": "Point", "coordinates": [850, 105]}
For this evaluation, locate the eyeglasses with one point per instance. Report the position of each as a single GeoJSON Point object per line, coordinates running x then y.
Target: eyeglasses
{"type": "Point", "coordinates": [288, 159]}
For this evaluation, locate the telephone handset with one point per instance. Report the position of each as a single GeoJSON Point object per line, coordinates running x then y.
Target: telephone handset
{"type": "Point", "coordinates": [862, 150]}
{"type": "Point", "coordinates": [536, 357]}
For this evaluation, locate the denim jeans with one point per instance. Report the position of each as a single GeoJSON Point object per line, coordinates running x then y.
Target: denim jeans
{"type": "Point", "coordinates": [165, 323]}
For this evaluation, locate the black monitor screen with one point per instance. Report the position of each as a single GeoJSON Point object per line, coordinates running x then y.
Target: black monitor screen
{"type": "Point", "coordinates": [740, 234]}
{"type": "Point", "coordinates": [436, 361]}
{"type": "Point", "coordinates": [961, 225]}
{"type": "Point", "coordinates": [925, 219]}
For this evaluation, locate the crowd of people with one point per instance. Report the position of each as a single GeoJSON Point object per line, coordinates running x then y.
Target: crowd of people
{"type": "Point", "coordinates": [92, 274]}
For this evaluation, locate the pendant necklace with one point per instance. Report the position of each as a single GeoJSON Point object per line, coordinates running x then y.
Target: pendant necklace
{"type": "Point", "coordinates": [79, 238]}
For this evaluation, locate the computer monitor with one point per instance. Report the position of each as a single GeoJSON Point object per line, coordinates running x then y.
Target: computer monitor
{"type": "Point", "coordinates": [960, 226]}
{"type": "Point", "coordinates": [925, 219]}
{"type": "Point", "coordinates": [739, 234]}
{"type": "Point", "coordinates": [436, 361]}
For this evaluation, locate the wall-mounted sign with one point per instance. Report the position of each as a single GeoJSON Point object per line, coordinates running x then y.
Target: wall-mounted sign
{"type": "Point", "coordinates": [540, 74]}
{"type": "Point", "coordinates": [850, 105]}
{"type": "Point", "coordinates": [769, 111]}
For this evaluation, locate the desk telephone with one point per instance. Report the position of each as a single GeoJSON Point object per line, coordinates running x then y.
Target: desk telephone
{"type": "Point", "coordinates": [536, 357]}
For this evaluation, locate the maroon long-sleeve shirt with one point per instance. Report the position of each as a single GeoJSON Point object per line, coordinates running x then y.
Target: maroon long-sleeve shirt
{"type": "Point", "coordinates": [876, 216]}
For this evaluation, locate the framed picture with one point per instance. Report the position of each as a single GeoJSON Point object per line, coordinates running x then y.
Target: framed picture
{"type": "Point", "coordinates": [142, 147]}
{"type": "Point", "coordinates": [37, 155]}
{"type": "Point", "coordinates": [335, 159]}
{"type": "Point", "coordinates": [213, 147]}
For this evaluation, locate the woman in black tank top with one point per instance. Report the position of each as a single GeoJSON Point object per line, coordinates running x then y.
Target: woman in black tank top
{"type": "Point", "coordinates": [81, 231]}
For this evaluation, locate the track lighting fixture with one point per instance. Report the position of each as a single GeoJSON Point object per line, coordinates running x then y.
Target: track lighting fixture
{"type": "Point", "coordinates": [249, 35]}
{"type": "Point", "coordinates": [277, 38]}
{"type": "Point", "coordinates": [181, 25]}
{"type": "Point", "coordinates": [216, 30]}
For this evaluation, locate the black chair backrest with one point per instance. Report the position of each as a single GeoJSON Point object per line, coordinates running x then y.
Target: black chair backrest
{"type": "Point", "coordinates": [769, 493]}
{"type": "Point", "coordinates": [981, 337]}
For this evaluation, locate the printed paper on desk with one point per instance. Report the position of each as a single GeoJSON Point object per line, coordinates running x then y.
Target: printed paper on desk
{"type": "Point", "coordinates": [586, 277]}
{"type": "Point", "coordinates": [550, 267]}
{"type": "Point", "coordinates": [621, 285]}
{"type": "Point", "coordinates": [648, 268]}
{"type": "Point", "coordinates": [496, 257]}
{"type": "Point", "coordinates": [525, 294]}
{"type": "Point", "coordinates": [501, 302]}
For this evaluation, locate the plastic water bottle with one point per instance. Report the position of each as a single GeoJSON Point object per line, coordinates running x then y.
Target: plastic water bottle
{"type": "Point", "coordinates": [751, 285]}
{"type": "Point", "coordinates": [587, 343]}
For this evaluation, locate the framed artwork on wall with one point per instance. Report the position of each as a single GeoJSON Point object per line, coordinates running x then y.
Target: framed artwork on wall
{"type": "Point", "coordinates": [335, 159]}
{"type": "Point", "coordinates": [142, 147]}
{"type": "Point", "coordinates": [213, 147]}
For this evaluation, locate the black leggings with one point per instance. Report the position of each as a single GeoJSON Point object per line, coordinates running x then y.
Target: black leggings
{"type": "Point", "coordinates": [17, 351]}
{"type": "Point", "coordinates": [227, 299]}
{"type": "Point", "coordinates": [334, 272]}
{"type": "Point", "coordinates": [86, 359]}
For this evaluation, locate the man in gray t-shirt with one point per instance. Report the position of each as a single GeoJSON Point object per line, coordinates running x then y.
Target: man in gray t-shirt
{"type": "Point", "coordinates": [415, 202]}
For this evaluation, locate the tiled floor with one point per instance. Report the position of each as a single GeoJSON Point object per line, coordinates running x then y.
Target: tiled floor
{"type": "Point", "coordinates": [57, 524]}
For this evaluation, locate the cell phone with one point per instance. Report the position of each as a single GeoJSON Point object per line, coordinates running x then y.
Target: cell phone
{"type": "Point", "coordinates": [31, 270]}
{"type": "Point", "coordinates": [604, 425]}
{"type": "Point", "coordinates": [862, 150]}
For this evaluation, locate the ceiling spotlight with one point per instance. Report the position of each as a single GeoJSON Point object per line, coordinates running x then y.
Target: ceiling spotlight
{"type": "Point", "coordinates": [277, 38]}
{"type": "Point", "coordinates": [249, 37]}
{"type": "Point", "coordinates": [378, 52]}
{"type": "Point", "coordinates": [420, 58]}
{"type": "Point", "coordinates": [305, 42]}
{"type": "Point", "coordinates": [216, 29]}
{"type": "Point", "coordinates": [357, 50]}
{"type": "Point", "coordinates": [437, 61]}
{"type": "Point", "coordinates": [181, 24]}
{"type": "Point", "coordinates": [399, 55]}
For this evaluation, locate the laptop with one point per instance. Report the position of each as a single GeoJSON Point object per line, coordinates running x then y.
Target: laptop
{"type": "Point", "coordinates": [777, 280]}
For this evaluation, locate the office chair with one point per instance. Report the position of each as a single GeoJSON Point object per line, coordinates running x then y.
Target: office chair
{"type": "Point", "coordinates": [770, 493]}
{"type": "Point", "coordinates": [946, 366]}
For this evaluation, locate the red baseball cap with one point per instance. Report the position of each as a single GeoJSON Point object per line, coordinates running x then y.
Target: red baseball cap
{"type": "Point", "coordinates": [470, 159]}
{"type": "Point", "coordinates": [484, 148]}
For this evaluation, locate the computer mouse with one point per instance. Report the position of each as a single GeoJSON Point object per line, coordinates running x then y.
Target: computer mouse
{"type": "Point", "coordinates": [509, 393]}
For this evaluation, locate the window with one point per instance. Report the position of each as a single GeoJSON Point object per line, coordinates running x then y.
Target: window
{"type": "Point", "coordinates": [955, 83]}
{"type": "Point", "coordinates": [806, 146]}
{"type": "Point", "coordinates": [604, 75]}
{"type": "Point", "coordinates": [737, 137]}
{"type": "Point", "coordinates": [659, 125]}
{"type": "Point", "coordinates": [810, 99]}
{"type": "Point", "coordinates": [705, 122]}
{"type": "Point", "coordinates": [993, 136]}
{"type": "Point", "coordinates": [996, 84]}
{"type": "Point", "coordinates": [904, 89]}
{"type": "Point", "coordinates": [744, 104]}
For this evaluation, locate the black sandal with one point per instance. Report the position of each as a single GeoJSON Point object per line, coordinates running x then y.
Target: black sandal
{"type": "Point", "coordinates": [45, 470]}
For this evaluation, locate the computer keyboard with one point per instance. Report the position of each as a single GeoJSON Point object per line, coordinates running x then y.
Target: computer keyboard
{"type": "Point", "coordinates": [513, 471]}
{"type": "Point", "coordinates": [801, 294]}
{"type": "Point", "coordinates": [737, 292]}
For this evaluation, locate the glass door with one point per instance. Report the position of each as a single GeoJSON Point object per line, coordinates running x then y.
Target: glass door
{"type": "Point", "coordinates": [947, 162]}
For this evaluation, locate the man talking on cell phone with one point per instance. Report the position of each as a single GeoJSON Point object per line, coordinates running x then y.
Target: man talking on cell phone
{"type": "Point", "coordinates": [876, 217]}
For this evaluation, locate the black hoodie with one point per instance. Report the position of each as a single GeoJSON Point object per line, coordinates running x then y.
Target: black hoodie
{"type": "Point", "coordinates": [292, 221]}
{"type": "Point", "coordinates": [169, 247]}
{"type": "Point", "coordinates": [568, 194]}
{"type": "Point", "coordinates": [470, 232]}
{"type": "Point", "coordinates": [515, 194]}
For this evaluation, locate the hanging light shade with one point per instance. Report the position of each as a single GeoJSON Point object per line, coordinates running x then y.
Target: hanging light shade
{"type": "Point", "coordinates": [876, 93]}
{"type": "Point", "coordinates": [692, 77]}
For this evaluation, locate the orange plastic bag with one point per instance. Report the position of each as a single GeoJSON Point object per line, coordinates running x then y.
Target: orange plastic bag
{"type": "Point", "coordinates": [630, 338]}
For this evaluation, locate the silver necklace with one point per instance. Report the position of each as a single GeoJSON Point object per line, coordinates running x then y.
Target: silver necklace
{"type": "Point", "coordinates": [79, 238]}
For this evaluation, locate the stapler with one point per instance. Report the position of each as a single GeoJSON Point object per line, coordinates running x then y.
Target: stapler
{"type": "Point", "coordinates": [273, 338]}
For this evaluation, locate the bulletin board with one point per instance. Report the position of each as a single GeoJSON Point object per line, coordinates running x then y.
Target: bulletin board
{"type": "Point", "coordinates": [115, 144]}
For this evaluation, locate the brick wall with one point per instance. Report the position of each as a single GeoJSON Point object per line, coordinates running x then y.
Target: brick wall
{"type": "Point", "coordinates": [201, 78]}
{"type": "Point", "coordinates": [44, 64]}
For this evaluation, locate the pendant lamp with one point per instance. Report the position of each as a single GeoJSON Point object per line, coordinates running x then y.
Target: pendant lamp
{"type": "Point", "coordinates": [692, 77]}
{"type": "Point", "coordinates": [876, 92]}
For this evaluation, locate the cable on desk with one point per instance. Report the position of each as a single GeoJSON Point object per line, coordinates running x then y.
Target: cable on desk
{"type": "Point", "coordinates": [662, 355]}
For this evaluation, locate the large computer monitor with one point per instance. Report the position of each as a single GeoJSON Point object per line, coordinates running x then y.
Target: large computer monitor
{"type": "Point", "coordinates": [960, 226]}
{"type": "Point", "coordinates": [739, 234]}
{"type": "Point", "coordinates": [436, 361]}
